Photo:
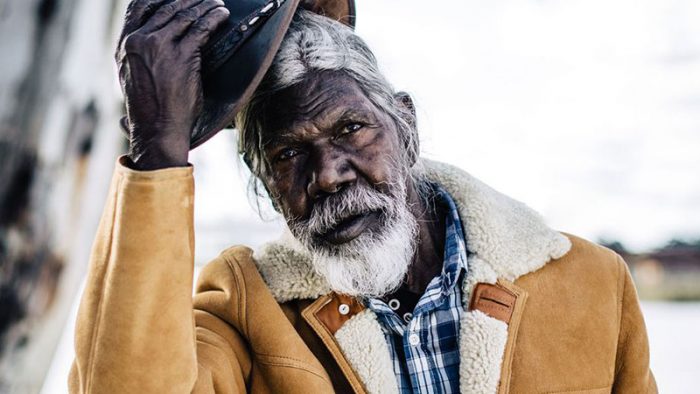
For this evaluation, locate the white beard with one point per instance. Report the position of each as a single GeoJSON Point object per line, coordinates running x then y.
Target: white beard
{"type": "Point", "coordinates": [370, 265]}
{"type": "Point", "coordinates": [373, 264]}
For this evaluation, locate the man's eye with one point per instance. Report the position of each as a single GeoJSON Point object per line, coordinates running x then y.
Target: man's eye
{"type": "Point", "coordinates": [287, 154]}
{"type": "Point", "coordinates": [352, 127]}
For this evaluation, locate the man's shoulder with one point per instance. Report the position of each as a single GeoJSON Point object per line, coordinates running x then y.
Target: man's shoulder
{"type": "Point", "coordinates": [583, 248]}
{"type": "Point", "coordinates": [232, 267]}
{"type": "Point", "coordinates": [232, 272]}
{"type": "Point", "coordinates": [230, 255]}
{"type": "Point", "coordinates": [588, 271]}
{"type": "Point", "coordinates": [274, 270]}
{"type": "Point", "coordinates": [233, 287]}
{"type": "Point", "coordinates": [587, 259]}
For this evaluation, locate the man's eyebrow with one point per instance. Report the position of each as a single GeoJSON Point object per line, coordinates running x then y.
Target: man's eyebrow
{"type": "Point", "coordinates": [354, 114]}
{"type": "Point", "coordinates": [288, 137]}
{"type": "Point", "coordinates": [280, 138]}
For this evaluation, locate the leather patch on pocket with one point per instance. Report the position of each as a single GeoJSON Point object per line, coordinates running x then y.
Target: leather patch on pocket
{"type": "Point", "coordinates": [493, 300]}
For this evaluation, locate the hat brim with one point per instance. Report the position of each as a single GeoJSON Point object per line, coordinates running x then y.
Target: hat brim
{"type": "Point", "coordinates": [232, 84]}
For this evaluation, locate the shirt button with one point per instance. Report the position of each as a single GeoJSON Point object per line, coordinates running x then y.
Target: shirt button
{"type": "Point", "coordinates": [394, 304]}
{"type": "Point", "coordinates": [407, 317]}
{"type": "Point", "coordinates": [413, 339]}
{"type": "Point", "coordinates": [344, 309]}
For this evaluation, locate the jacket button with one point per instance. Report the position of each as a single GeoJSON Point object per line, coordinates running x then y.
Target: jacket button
{"type": "Point", "coordinates": [344, 309]}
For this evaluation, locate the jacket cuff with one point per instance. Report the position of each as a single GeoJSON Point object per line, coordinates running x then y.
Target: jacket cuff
{"type": "Point", "coordinates": [124, 170]}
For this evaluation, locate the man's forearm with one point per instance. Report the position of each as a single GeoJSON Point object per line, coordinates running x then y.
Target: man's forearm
{"type": "Point", "coordinates": [135, 331]}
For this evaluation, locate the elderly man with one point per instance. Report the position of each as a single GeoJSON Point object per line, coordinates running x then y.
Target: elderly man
{"type": "Point", "coordinates": [397, 274]}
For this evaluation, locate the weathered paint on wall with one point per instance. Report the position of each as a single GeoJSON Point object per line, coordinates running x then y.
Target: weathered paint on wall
{"type": "Point", "coordinates": [59, 136]}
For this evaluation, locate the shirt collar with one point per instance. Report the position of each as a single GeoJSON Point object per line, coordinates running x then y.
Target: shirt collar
{"type": "Point", "coordinates": [455, 256]}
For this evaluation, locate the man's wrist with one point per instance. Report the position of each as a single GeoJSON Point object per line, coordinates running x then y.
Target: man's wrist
{"type": "Point", "coordinates": [156, 158]}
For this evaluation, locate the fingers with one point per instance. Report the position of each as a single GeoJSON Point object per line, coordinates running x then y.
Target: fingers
{"type": "Point", "coordinates": [165, 13]}
{"type": "Point", "coordinates": [170, 20]}
{"type": "Point", "coordinates": [199, 31]}
{"type": "Point", "coordinates": [137, 13]}
{"type": "Point", "coordinates": [184, 19]}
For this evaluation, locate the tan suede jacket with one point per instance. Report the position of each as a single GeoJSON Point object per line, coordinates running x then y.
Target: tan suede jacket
{"type": "Point", "coordinates": [545, 312]}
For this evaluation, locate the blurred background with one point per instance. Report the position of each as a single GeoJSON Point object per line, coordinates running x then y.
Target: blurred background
{"type": "Point", "coordinates": [586, 110]}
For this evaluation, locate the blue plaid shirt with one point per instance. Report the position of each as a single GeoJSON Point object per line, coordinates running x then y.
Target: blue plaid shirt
{"type": "Point", "coordinates": [425, 350]}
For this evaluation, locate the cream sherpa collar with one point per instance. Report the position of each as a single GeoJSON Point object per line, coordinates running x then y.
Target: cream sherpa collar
{"type": "Point", "coordinates": [506, 239]}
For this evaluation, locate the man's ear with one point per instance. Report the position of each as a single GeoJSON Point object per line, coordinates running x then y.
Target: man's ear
{"type": "Point", "coordinates": [404, 99]}
{"type": "Point", "coordinates": [409, 115]}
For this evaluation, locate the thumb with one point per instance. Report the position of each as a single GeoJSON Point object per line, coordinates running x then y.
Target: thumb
{"type": "Point", "coordinates": [124, 123]}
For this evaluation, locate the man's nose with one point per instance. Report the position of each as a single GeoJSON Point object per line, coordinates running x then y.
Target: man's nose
{"type": "Point", "coordinates": [330, 174]}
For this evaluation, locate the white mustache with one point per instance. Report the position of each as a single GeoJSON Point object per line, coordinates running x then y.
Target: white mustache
{"type": "Point", "coordinates": [372, 264]}
{"type": "Point", "coordinates": [357, 200]}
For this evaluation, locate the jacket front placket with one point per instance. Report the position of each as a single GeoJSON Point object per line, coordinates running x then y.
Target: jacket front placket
{"type": "Point", "coordinates": [316, 315]}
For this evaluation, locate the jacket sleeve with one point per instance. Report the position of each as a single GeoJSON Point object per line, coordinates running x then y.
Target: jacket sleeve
{"type": "Point", "coordinates": [136, 330]}
{"type": "Point", "coordinates": [632, 373]}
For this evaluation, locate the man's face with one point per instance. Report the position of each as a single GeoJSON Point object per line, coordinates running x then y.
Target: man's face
{"type": "Point", "coordinates": [335, 168]}
{"type": "Point", "coordinates": [325, 136]}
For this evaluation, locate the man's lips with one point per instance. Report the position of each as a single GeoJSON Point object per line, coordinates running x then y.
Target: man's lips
{"type": "Point", "coordinates": [351, 228]}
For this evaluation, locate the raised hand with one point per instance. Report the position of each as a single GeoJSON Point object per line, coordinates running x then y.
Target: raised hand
{"type": "Point", "coordinates": [159, 61]}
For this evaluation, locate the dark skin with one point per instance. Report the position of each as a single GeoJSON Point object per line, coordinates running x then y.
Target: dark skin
{"type": "Point", "coordinates": [159, 62]}
{"type": "Point", "coordinates": [325, 135]}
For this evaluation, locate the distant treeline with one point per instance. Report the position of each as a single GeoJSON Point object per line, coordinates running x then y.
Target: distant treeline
{"type": "Point", "coordinates": [673, 244]}
{"type": "Point", "coordinates": [671, 272]}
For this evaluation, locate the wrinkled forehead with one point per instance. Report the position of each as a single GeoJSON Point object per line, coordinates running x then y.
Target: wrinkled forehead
{"type": "Point", "coordinates": [318, 99]}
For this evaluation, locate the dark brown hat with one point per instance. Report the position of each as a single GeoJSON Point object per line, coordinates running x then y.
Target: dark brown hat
{"type": "Point", "coordinates": [237, 56]}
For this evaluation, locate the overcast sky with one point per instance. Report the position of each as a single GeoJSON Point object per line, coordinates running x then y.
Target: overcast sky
{"type": "Point", "coordinates": [586, 110]}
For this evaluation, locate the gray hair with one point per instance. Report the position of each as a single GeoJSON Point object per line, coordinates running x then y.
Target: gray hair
{"type": "Point", "coordinates": [312, 44]}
